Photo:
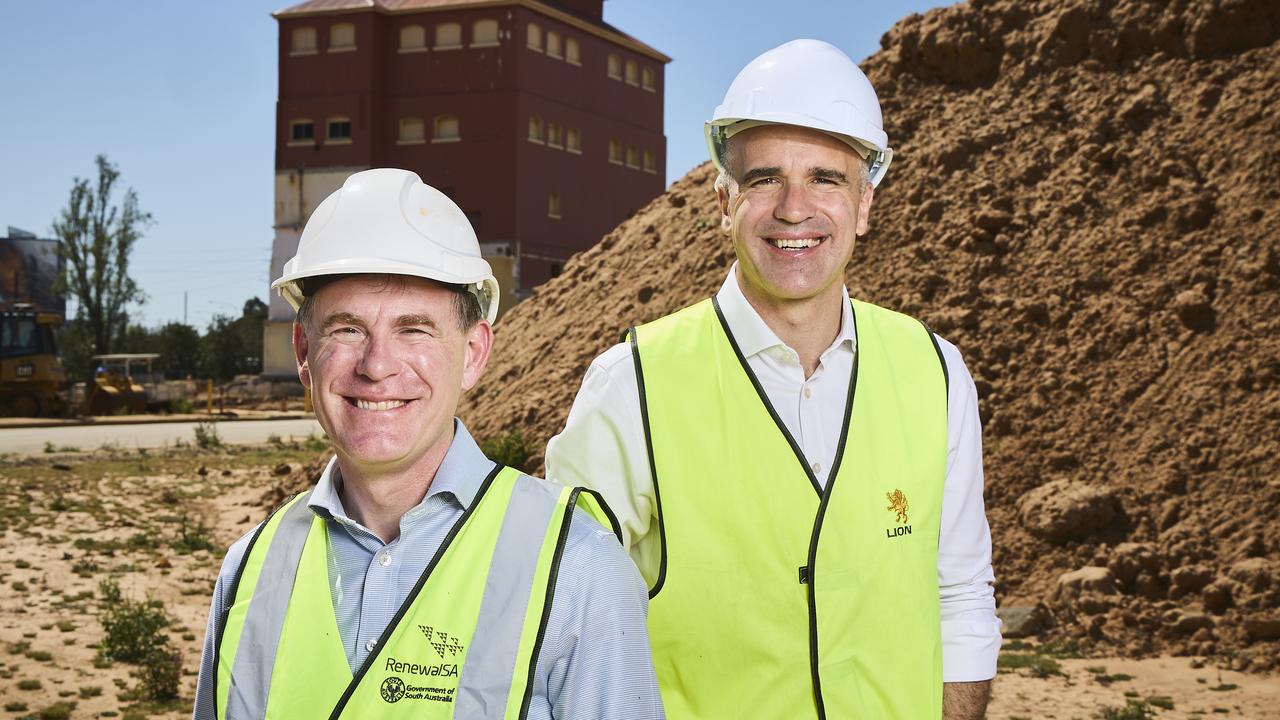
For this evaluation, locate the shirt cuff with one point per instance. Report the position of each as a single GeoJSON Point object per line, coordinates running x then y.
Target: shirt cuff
{"type": "Point", "coordinates": [969, 650]}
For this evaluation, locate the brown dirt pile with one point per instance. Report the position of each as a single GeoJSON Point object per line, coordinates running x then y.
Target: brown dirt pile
{"type": "Point", "coordinates": [1084, 200]}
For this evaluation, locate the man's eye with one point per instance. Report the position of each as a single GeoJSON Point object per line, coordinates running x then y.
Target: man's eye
{"type": "Point", "coordinates": [348, 331]}
{"type": "Point", "coordinates": [764, 181]}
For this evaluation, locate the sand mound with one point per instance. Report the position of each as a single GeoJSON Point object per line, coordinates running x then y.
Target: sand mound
{"type": "Point", "coordinates": [1083, 199]}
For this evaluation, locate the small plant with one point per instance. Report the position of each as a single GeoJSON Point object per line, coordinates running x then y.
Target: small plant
{"type": "Point", "coordinates": [84, 567]}
{"type": "Point", "coordinates": [207, 437]}
{"type": "Point", "coordinates": [15, 706]}
{"type": "Point", "coordinates": [1039, 665]}
{"type": "Point", "coordinates": [18, 586]}
{"type": "Point", "coordinates": [274, 439]}
{"type": "Point", "coordinates": [90, 691]}
{"type": "Point", "coordinates": [40, 655]}
{"type": "Point", "coordinates": [315, 443]}
{"type": "Point", "coordinates": [66, 626]}
{"type": "Point", "coordinates": [29, 684]}
{"type": "Point", "coordinates": [49, 447]}
{"type": "Point", "coordinates": [512, 449]}
{"type": "Point", "coordinates": [131, 628]}
{"type": "Point", "coordinates": [56, 711]}
{"type": "Point", "coordinates": [1161, 701]}
{"type": "Point", "coordinates": [21, 564]}
{"type": "Point", "coordinates": [1223, 687]}
{"type": "Point", "coordinates": [1133, 710]}
{"type": "Point", "coordinates": [19, 647]}
{"type": "Point", "coordinates": [160, 673]}
{"type": "Point", "coordinates": [181, 406]}
{"type": "Point", "coordinates": [190, 539]}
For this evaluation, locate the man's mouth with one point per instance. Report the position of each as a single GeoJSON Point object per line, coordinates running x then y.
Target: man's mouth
{"type": "Point", "coordinates": [378, 404]}
{"type": "Point", "coordinates": [795, 244]}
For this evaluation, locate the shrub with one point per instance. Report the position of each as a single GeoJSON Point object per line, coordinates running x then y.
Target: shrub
{"type": "Point", "coordinates": [160, 673]}
{"type": "Point", "coordinates": [56, 711]}
{"type": "Point", "coordinates": [207, 437]}
{"type": "Point", "coordinates": [131, 628]}
{"type": "Point", "coordinates": [181, 406]}
{"type": "Point", "coordinates": [512, 449]}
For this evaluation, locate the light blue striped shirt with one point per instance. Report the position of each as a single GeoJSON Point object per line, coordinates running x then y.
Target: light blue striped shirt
{"type": "Point", "coordinates": [594, 661]}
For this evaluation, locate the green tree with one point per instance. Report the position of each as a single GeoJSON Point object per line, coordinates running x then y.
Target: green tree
{"type": "Point", "coordinates": [233, 347]}
{"type": "Point", "coordinates": [179, 351]}
{"type": "Point", "coordinates": [96, 238]}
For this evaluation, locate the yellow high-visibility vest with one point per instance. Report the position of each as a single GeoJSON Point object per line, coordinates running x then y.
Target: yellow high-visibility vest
{"type": "Point", "coordinates": [462, 645]}
{"type": "Point", "coordinates": [777, 597]}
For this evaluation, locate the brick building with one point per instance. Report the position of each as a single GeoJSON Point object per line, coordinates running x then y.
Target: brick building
{"type": "Point", "coordinates": [542, 121]}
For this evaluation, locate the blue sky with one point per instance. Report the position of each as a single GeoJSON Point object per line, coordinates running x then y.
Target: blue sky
{"type": "Point", "coordinates": [181, 96]}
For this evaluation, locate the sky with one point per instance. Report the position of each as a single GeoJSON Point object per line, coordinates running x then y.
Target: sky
{"type": "Point", "coordinates": [180, 96]}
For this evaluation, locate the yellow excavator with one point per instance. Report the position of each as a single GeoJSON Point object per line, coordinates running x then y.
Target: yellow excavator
{"type": "Point", "coordinates": [31, 372]}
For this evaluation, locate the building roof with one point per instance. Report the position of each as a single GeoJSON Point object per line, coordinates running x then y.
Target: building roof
{"type": "Point", "coordinates": [550, 8]}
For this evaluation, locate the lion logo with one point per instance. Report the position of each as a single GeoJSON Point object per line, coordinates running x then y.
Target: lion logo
{"type": "Point", "coordinates": [898, 504]}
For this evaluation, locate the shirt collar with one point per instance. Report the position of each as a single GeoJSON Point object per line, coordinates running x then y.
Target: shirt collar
{"type": "Point", "coordinates": [460, 475]}
{"type": "Point", "coordinates": [750, 331]}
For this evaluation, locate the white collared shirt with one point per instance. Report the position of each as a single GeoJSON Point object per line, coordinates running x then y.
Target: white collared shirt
{"type": "Point", "coordinates": [602, 447]}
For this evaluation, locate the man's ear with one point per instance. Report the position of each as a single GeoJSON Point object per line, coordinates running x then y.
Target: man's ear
{"type": "Point", "coordinates": [726, 216]}
{"type": "Point", "coordinates": [300, 354]}
{"type": "Point", "coordinates": [864, 209]}
{"type": "Point", "coordinates": [476, 353]}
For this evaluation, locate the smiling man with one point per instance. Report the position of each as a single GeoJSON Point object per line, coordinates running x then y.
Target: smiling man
{"type": "Point", "coordinates": [417, 578]}
{"type": "Point", "coordinates": [798, 475]}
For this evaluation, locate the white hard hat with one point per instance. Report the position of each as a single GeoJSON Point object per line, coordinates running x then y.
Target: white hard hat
{"type": "Point", "coordinates": [808, 83]}
{"type": "Point", "coordinates": [389, 221]}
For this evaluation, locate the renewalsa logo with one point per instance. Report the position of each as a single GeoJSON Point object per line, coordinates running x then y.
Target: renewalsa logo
{"type": "Point", "coordinates": [392, 689]}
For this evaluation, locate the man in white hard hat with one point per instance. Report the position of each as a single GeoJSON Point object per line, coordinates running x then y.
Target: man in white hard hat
{"type": "Point", "coordinates": [417, 578]}
{"type": "Point", "coordinates": [797, 474]}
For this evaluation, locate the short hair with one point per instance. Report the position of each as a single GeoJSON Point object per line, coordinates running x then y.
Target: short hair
{"type": "Point", "coordinates": [466, 306]}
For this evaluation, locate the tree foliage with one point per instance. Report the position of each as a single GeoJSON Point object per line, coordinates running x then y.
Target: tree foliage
{"type": "Point", "coordinates": [96, 238]}
{"type": "Point", "coordinates": [233, 347]}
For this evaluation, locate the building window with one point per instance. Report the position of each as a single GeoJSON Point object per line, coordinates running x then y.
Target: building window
{"type": "Point", "coordinates": [633, 73]}
{"type": "Point", "coordinates": [553, 45]}
{"type": "Point", "coordinates": [572, 53]}
{"type": "Point", "coordinates": [342, 37]}
{"type": "Point", "coordinates": [484, 33]}
{"type": "Point", "coordinates": [533, 37]}
{"type": "Point", "coordinates": [447, 129]}
{"type": "Point", "coordinates": [554, 137]}
{"type": "Point", "coordinates": [339, 131]}
{"type": "Point", "coordinates": [448, 36]}
{"type": "Point", "coordinates": [302, 132]}
{"type": "Point", "coordinates": [649, 165]}
{"type": "Point", "coordinates": [553, 206]}
{"type": "Point", "coordinates": [573, 141]}
{"type": "Point", "coordinates": [535, 129]}
{"type": "Point", "coordinates": [615, 152]}
{"type": "Point", "coordinates": [648, 80]}
{"type": "Point", "coordinates": [412, 131]}
{"type": "Point", "coordinates": [633, 157]}
{"type": "Point", "coordinates": [302, 41]}
{"type": "Point", "coordinates": [615, 67]}
{"type": "Point", "coordinates": [413, 39]}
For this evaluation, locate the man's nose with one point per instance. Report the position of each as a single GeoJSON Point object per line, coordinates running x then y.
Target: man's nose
{"type": "Point", "coordinates": [795, 205]}
{"type": "Point", "coordinates": [379, 360]}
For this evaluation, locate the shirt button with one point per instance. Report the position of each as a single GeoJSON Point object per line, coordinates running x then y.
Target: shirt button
{"type": "Point", "coordinates": [808, 392]}
{"type": "Point", "coordinates": [384, 559]}
{"type": "Point", "coordinates": [369, 646]}
{"type": "Point", "coordinates": [817, 468]}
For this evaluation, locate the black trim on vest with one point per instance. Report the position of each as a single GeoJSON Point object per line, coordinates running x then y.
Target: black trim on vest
{"type": "Point", "coordinates": [413, 594]}
{"type": "Point", "coordinates": [221, 622]}
{"type": "Point", "coordinates": [653, 470]}
{"type": "Point", "coordinates": [614, 526]}
{"type": "Point", "coordinates": [817, 529]}
{"type": "Point", "coordinates": [755, 383]}
{"type": "Point", "coordinates": [946, 377]}
{"type": "Point", "coordinates": [546, 605]}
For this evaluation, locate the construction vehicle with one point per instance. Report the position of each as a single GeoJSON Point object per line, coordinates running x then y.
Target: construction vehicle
{"type": "Point", "coordinates": [31, 372]}
{"type": "Point", "coordinates": [125, 382]}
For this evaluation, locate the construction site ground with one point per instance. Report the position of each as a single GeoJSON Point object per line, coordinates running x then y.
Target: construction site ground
{"type": "Point", "coordinates": [158, 521]}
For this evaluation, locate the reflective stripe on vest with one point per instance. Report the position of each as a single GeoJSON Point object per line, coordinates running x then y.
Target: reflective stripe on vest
{"type": "Point", "coordinates": [462, 644]}
{"type": "Point", "coordinates": [778, 597]}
